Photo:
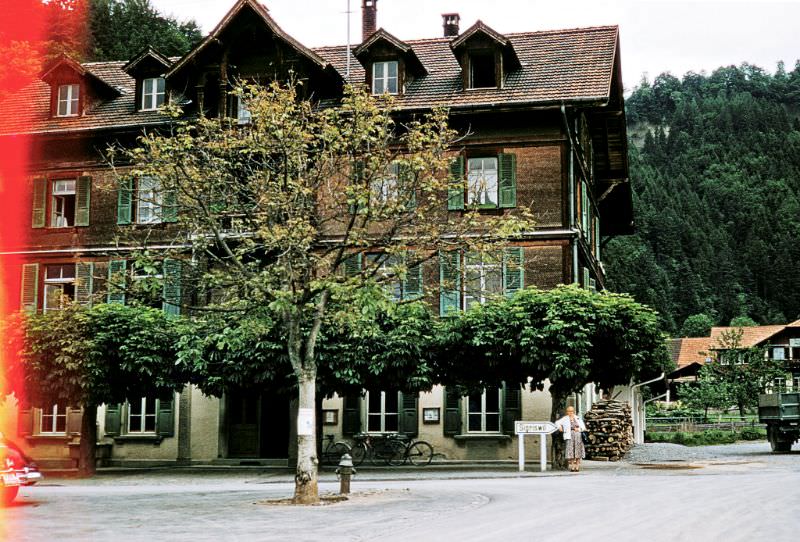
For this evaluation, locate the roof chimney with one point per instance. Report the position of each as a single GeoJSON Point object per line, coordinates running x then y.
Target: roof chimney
{"type": "Point", "coordinates": [369, 18]}
{"type": "Point", "coordinates": [450, 24]}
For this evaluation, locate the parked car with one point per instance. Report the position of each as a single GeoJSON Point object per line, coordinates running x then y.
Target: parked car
{"type": "Point", "coordinates": [16, 469]}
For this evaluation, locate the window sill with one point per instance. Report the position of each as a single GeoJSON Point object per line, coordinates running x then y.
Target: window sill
{"type": "Point", "coordinates": [133, 439]}
{"type": "Point", "coordinates": [49, 438]}
{"type": "Point", "coordinates": [499, 437]}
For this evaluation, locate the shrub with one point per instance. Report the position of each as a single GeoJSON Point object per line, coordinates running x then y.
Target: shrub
{"type": "Point", "coordinates": [753, 433]}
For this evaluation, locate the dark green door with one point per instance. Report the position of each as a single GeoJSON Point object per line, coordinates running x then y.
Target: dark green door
{"type": "Point", "coordinates": [243, 424]}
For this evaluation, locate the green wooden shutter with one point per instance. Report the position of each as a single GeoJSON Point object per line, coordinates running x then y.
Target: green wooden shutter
{"type": "Point", "coordinates": [512, 407]}
{"type": "Point", "coordinates": [452, 413]}
{"type": "Point", "coordinates": [125, 201]}
{"type": "Point", "coordinates": [74, 419]}
{"type": "Point", "coordinates": [116, 281]}
{"type": "Point", "coordinates": [412, 283]}
{"type": "Point", "coordinates": [513, 270]}
{"type": "Point", "coordinates": [351, 415]}
{"type": "Point", "coordinates": [352, 265]}
{"type": "Point", "coordinates": [409, 413]}
{"type": "Point", "coordinates": [405, 179]}
{"type": "Point", "coordinates": [29, 288]}
{"type": "Point", "coordinates": [508, 180]}
{"type": "Point", "coordinates": [39, 202]}
{"type": "Point", "coordinates": [172, 287]}
{"type": "Point", "coordinates": [113, 420]}
{"type": "Point", "coordinates": [169, 205]}
{"type": "Point", "coordinates": [84, 282]}
{"type": "Point", "coordinates": [24, 422]}
{"type": "Point", "coordinates": [83, 198]}
{"type": "Point", "coordinates": [455, 190]}
{"type": "Point", "coordinates": [449, 282]}
{"type": "Point", "coordinates": [165, 418]}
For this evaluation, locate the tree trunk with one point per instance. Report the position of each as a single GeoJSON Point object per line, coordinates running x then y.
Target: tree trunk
{"type": "Point", "coordinates": [558, 405]}
{"type": "Point", "coordinates": [742, 411]}
{"type": "Point", "coordinates": [306, 490]}
{"type": "Point", "coordinates": [87, 461]}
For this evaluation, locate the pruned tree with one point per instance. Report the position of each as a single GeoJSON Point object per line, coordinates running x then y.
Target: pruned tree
{"type": "Point", "coordinates": [303, 205]}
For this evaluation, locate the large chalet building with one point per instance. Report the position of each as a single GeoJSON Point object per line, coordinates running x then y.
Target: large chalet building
{"type": "Point", "coordinates": [545, 116]}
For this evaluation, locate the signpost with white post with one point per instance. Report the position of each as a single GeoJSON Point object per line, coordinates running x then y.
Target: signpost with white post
{"type": "Point", "coordinates": [533, 428]}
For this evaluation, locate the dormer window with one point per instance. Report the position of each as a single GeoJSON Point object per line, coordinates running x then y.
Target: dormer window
{"type": "Point", "coordinates": [68, 99]}
{"type": "Point", "coordinates": [482, 70]}
{"type": "Point", "coordinates": [152, 93]}
{"type": "Point", "coordinates": [384, 77]}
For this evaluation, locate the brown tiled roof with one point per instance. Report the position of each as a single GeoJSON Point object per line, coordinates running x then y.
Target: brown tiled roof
{"type": "Point", "coordinates": [561, 65]}
{"type": "Point", "coordinates": [557, 65]}
{"type": "Point", "coordinates": [751, 335]}
{"type": "Point", "coordinates": [689, 350]}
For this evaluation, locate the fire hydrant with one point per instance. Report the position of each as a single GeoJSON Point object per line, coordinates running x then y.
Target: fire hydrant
{"type": "Point", "coordinates": [344, 472]}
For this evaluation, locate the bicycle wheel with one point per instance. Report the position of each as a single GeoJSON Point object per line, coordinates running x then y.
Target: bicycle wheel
{"type": "Point", "coordinates": [335, 452]}
{"type": "Point", "coordinates": [358, 453]}
{"type": "Point", "coordinates": [420, 453]}
{"type": "Point", "coordinates": [395, 453]}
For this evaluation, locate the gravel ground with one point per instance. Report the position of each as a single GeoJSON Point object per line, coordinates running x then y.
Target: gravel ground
{"type": "Point", "coordinates": [657, 452]}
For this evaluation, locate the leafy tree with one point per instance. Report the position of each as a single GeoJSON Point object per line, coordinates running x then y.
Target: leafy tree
{"type": "Point", "coordinates": [89, 356]}
{"type": "Point", "coordinates": [743, 321]}
{"type": "Point", "coordinates": [707, 393]}
{"type": "Point", "coordinates": [305, 208]}
{"type": "Point", "coordinates": [697, 325]}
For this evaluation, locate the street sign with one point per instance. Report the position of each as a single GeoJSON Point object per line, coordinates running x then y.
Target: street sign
{"type": "Point", "coordinates": [534, 428]}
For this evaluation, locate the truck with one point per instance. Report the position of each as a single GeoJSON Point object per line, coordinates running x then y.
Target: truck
{"type": "Point", "coordinates": [781, 414]}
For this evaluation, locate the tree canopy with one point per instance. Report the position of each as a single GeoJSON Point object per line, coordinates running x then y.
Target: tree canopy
{"type": "Point", "coordinates": [715, 167]}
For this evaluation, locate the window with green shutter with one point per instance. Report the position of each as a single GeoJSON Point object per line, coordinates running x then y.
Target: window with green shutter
{"type": "Point", "coordinates": [83, 197]}
{"type": "Point", "coordinates": [39, 202]}
{"type": "Point", "coordinates": [172, 286]}
{"type": "Point", "coordinates": [165, 417]}
{"type": "Point", "coordinates": [352, 265]}
{"type": "Point", "coordinates": [117, 281]}
{"type": "Point", "coordinates": [412, 282]}
{"type": "Point", "coordinates": [449, 282]}
{"type": "Point", "coordinates": [113, 420]}
{"type": "Point", "coordinates": [357, 181]}
{"type": "Point", "coordinates": [512, 407]}
{"type": "Point", "coordinates": [84, 282]}
{"type": "Point", "coordinates": [452, 402]}
{"type": "Point", "coordinates": [455, 191]}
{"type": "Point", "coordinates": [351, 415]}
{"type": "Point", "coordinates": [508, 180]}
{"type": "Point", "coordinates": [513, 270]}
{"type": "Point", "coordinates": [125, 201]}
{"type": "Point", "coordinates": [29, 287]}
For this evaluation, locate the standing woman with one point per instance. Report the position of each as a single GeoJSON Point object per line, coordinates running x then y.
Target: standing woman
{"type": "Point", "coordinates": [571, 426]}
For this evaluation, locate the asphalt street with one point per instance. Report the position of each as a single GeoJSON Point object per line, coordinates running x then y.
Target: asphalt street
{"type": "Point", "coordinates": [728, 493]}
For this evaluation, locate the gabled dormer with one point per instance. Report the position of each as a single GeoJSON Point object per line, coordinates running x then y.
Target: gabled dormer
{"type": "Point", "coordinates": [73, 88]}
{"type": "Point", "coordinates": [486, 57]}
{"type": "Point", "coordinates": [389, 63]}
{"type": "Point", "coordinates": [148, 69]}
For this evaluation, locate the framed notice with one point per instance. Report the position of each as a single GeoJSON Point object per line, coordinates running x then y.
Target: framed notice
{"type": "Point", "coordinates": [430, 415]}
{"type": "Point", "coordinates": [330, 417]}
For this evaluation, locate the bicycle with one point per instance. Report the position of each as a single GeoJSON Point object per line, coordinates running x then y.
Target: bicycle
{"type": "Point", "coordinates": [418, 452]}
{"type": "Point", "coordinates": [384, 448]}
{"type": "Point", "coordinates": [334, 451]}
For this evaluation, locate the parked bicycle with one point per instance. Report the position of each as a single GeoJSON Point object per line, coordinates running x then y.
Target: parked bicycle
{"type": "Point", "coordinates": [390, 449]}
{"type": "Point", "coordinates": [334, 451]}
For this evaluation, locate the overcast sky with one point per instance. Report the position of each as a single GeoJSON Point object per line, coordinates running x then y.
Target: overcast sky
{"type": "Point", "coordinates": [657, 35]}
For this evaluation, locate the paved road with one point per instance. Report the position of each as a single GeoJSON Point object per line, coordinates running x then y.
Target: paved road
{"type": "Point", "coordinates": [739, 492]}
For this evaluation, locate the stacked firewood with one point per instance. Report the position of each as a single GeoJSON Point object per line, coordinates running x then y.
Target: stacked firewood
{"type": "Point", "coordinates": [610, 430]}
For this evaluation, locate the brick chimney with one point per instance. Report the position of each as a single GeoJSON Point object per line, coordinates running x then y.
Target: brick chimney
{"type": "Point", "coordinates": [369, 18]}
{"type": "Point", "coordinates": [450, 23]}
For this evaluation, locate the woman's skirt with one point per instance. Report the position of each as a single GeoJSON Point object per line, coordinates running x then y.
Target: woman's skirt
{"type": "Point", "coordinates": [575, 446]}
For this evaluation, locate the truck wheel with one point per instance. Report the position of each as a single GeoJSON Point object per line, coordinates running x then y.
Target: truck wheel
{"type": "Point", "coordinates": [9, 494]}
{"type": "Point", "coordinates": [781, 445]}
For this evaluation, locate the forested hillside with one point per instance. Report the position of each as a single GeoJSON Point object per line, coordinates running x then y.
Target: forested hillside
{"type": "Point", "coordinates": [715, 167]}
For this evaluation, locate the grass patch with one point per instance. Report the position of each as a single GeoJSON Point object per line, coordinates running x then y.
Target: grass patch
{"type": "Point", "coordinates": [707, 437]}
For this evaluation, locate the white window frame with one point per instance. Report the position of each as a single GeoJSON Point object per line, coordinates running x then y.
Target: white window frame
{"type": "Point", "coordinates": [382, 414]}
{"type": "Point", "coordinates": [144, 415]}
{"type": "Point", "coordinates": [381, 84]}
{"type": "Point", "coordinates": [69, 98]}
{"type": "Point", "coordinates": [56, 284]}
{"type": "Point", "coordinates": [387, 271]}
{"type": "Point", "coordinates": [54, 414]}
{"type": "Point", "coordinates": [155, 94]}
{"type": "Point", "coordinates": [480, 185]}
{"type": "Point", "coordinates": [778, 348]}
{"type": "Point", "coordinates": [484, 413]}
{"type": "Point", "coordinates": [385, 187]}
{"type": "Point", "coordinates": [243, 114]}
{"type": "Point", "coordinates": [148, 198]}
{"type": "Point", "coordinates": [59, 189]}
{"type": "Point", "coordinates": [483, 268]}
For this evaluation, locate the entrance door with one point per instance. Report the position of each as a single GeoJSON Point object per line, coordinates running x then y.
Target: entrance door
{"type": "Point", "coordinates": [243, 418]}
{"type": "Point", "coordinates": [275, 425]}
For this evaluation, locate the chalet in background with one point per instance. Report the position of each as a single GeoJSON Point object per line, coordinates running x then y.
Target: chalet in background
{"type": "Point", "coordinates": [546, 120]}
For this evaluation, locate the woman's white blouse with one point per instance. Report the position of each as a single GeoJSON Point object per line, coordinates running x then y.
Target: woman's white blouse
{"type": "Point", "coordinates": [566, 427]}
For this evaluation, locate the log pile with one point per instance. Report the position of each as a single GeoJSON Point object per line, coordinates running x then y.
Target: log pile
{"type": "Point", "coordinates": [610, 429]}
